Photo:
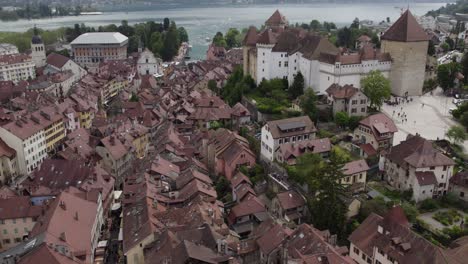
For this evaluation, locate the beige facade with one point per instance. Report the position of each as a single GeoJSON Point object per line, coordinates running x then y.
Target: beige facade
{"type": "Point", "coordinates": [408, 67]}
{"type": "Point", "coordinates": [12, 231]}
{"type": "Point", "coordinates": [250, 61]}
{"type": "Point", "coordinates": [135, 254]}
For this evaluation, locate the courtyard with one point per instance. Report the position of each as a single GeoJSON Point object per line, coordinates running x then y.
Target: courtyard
{"type": "Point", "coordinates": [427, 115]}
{"type": "Point", "coordinates": [443, 218]}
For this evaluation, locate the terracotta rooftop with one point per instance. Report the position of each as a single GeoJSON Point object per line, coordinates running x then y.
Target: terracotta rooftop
{"type": "Point", "coordinates": [44, 254]}
{"type": "Point", "coordinates": [417, 152]}
{"type": "Point", "coordinates": [356, 166]}
{"type": "Point", "coordinates": [342, 92]}
{"type": "Point", "coordinates": [18, 207]}
{"type": "Point", "coordinates": [405, 29]}
{"type": "Point", "coordinates": [460, 179]}
{"type": "Point", "coordinates": [69, 221]}
{"type": "Point", "coordinates": [290, 200]}
{"type": "Point", "coordinates": [14, 58]}
{"type": "Point", "coordinates": [6, 151]}
{"type": "Point", "coordinates": [251, 37]}
{"type": "Point", "coordinates": [277, 19]}
{"type": "Point", "coordinates": [57, 60]}
{"type": "Point", "coordinates": [291, 127]}
{"type": "Point", "coordinates": [379, 124]}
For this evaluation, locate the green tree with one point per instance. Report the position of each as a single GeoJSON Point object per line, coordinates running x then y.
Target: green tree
{"type": "Point", "coordinates": [223, 186]}
{"type": "Point", "coordinates": [171, 43]}
{"type": "Point", "coordinates": [377, 88]}
{"type": "Point", "coordinates": [464, 66]}
{"type": "Point", "coordinates": [446, 74]}
{"type": "Point", "coordinates": [355, 23]}
{"type": "Point", "coordinates": [326, 203]}
{"type": "Point", "coordinates": [450, 43]}
{"type": "Point", "coordinates": [342, 119]}
{"type": "Point", "coordinates": [218, 40]}
{"type": "Point", "coordinates": [315, 25]}
{"type": "Point", "coordinates": [213, 86]}
{"type": "Point", "coordinates": [166, 23]}
{"type": "Point", "coordinates": [431, 50]}
{"type": "Point", "coordinates": [297, 87]}
{"type": "Point", "coordinates": [457, 134]}
{"type": "Point", "coordinates": [156, 43]}
{"type": "Point", "coordinates": [134, 98]}
{"type": "Point", "coordinates": [183, 35]}
{"type": "Point", "coordinates": [232, 39]}
{"type": "Point", "coordinates": [308, 103]}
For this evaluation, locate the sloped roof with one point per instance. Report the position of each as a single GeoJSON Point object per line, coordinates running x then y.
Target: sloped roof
{"type": "Point", "coordinates": [276, 19]}
{"type": "Point", "coordinates": [251, 37]}
{"type": "Point", "coordinates": [100, 38]}
{"type": "Point", "coordinates": [356, 166]}
{"type": "Point", "coordinates": [290, 200]}
{"type": "Point", "coordinates": [266, 37]}
{"type": "Point", "coordinates": [425, 178]}
{"type": "Point", "coordinates": [57, 60]}
{"type": "Point", "coordinates": [405, 29]}
{"type": "Point", "coordinates": [342, 92]}
{"type": "Point", "coordinates": [418, 152]}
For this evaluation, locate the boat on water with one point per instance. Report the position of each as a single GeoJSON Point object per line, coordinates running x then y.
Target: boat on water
{"type": "Point", "coordinates": [91, 13]}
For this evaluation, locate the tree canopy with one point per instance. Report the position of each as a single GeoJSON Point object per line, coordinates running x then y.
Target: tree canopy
{"type": "Point", "coordinates": [297, 87]}
{"type": "Point", "coordinates": [457, 134]}
{"type": "Point", "coordinates": [446, 74]}
{"type": "Point", "coordinates": [377, 88]}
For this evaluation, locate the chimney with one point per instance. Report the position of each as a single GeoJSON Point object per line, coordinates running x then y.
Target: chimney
{"type": "Point", "coordinates": [112, 140]}
{"type": "Point", "coordinates": [76, 216]}
{"type": "Point", "coordinates": [62, 205]}
{"type": "Point", "coordinates": [63, 237]}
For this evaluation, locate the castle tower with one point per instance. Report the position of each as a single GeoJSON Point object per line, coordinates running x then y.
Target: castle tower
{"type": "Point", "coordinates": [407, 43]}
{"type": "Point", "coordinates": [38, 52]}
{"type": "Point", "coordinates": [248, 52]}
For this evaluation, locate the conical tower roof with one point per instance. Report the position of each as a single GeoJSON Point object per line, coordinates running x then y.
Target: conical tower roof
{"type": "Point", "coordinates": [406, 29]}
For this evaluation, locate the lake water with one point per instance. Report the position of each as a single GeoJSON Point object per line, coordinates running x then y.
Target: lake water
{"type": "Point", "coordinates": [204, 22]}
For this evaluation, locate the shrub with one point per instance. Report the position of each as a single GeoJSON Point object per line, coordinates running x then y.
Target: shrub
{"type": "Point", "coordinates": [428, 205]}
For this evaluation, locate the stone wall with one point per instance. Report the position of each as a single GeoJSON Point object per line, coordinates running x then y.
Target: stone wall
{"type": "Point", "coordinates": [408, 67]}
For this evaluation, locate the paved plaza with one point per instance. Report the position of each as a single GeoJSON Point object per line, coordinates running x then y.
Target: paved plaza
{"type": "Point", "coordinates": [427, 115]}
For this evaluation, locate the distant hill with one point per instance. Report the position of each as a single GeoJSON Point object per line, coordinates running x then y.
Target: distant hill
{"type": "Point", "coordinates": [450, 9]}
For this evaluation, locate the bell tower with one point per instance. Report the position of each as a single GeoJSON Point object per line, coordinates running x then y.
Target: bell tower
{"type": "Point", "coordinates": [38, 52]}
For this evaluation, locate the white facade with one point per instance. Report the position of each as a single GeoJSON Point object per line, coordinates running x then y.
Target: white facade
{"type": "Point", "coordinates": [16, 68]}
{"type": "Point", "coordinates": [30, 151]}
{"type": "Point", "coordinates": [70, 65]}
{"type": "Point", "coordinates": [350, 73]}
{"type": "Point", "coordinates": [7, 49]}
{"type": "Point", "coordinates": [148, 64]}
{"type": "Point", "coordinates": [268, 144]}
{"type": "Point", "coordinates": [405, 179]}
{"type": "Point", "coordinates": [317, 75]}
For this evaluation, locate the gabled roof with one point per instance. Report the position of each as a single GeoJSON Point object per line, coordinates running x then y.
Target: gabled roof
{"type": "Point", "coordinates": [290, 200]}
{"type": "Point", "coordinates": [405, 29]}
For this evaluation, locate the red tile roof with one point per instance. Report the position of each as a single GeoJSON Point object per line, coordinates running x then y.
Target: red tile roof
{"type": "Point", "coordinates": [14, 58]}
{"type": "Point", "coordinates": [57, 60]}
{"type": "Point", "coordinates": [69, 221]}
{"type": "Point", "coordinates": [247, 207]}
{"type": "Point", "coordinates": [47, 255]}
{"type": "Point", "coordinates": [276, 19]}
{"type": "Point", "coordinates": [290, 200]}
{"type": "Point", "coordinates": [251, 37]}
{"type": "Point", "coordinates": [379, 123]}
{"type": "Point", "coordinates": [342, 92]}
{"type": "Point", "coordinates": [417, 152]}
{"type": "Point", "coordinates": [18, 207]}
{"type": "Point", "coordinates": [405, 29]}
{"type": "Point", "coordinates": [460, 179]}
{"type": "Point", "coordinates": [356, 166]}
{"type": "Point", "coordinates": [425, 178]}
{"type": "Point", "coordinates": [301, 121]}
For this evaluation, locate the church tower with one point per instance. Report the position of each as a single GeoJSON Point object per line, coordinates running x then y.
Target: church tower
{"type": "Point", "coordinates": [38, 52]}
{"type": "Point", "coordinates": [407, 43]}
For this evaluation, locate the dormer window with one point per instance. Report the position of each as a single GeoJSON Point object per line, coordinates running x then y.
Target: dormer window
{"type": "Point", "coordinates": [380, 229]}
